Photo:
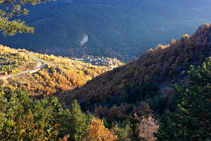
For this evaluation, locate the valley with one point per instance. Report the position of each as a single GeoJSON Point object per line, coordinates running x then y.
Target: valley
{"type": "Point", "coordinates": [113, 70]}
{"type": "Point", "coordinates": [148, 87]}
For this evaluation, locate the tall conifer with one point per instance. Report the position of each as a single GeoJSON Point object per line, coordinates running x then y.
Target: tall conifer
{"type": "Point", "coordinates": [194, 120]}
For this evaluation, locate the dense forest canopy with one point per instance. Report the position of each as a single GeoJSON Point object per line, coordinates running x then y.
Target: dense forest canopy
{"type": "Point", "coordinates": [117, 28]}
{"type": "Point", "coordinates": [148, 70]}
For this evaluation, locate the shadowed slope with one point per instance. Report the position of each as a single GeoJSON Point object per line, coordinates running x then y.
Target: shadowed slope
{"type": "Point", "coordinates": [152, 66]}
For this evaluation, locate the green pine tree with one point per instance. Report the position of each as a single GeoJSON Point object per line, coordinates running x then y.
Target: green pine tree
{"type": "Point", "coordinates": [77, 122]}
{"type": "Point", "coordinates": [193, 122]}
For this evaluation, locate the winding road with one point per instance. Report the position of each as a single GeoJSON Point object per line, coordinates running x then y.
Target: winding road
{"type": "Point", "coordinates": [29, 71]}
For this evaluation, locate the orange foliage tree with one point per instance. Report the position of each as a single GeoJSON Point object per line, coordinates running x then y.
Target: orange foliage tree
{"type": "Point", "coordinates": [98, 132]}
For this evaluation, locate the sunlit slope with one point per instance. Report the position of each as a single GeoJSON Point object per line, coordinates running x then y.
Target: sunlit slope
{"type": "Point", "coordinates": [120, 29]}
{"type": "Point", "coordinates": [59, 74]}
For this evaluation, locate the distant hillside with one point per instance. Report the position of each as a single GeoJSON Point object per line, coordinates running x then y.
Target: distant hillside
{"type": "Point", "coordinates": [116, 28]}
{"type": "Point", "coordinates": [140, 79]}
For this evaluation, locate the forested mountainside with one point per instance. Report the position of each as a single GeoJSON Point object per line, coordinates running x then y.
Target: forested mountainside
{"type": "Point", "coordinates": [115, 28]}
{"type": "Point", "coordinates": [25, 118]}
{"type": "Point", "coordinates": [124, 87]}
{"type": "Point", "coordinates": [127, 103]}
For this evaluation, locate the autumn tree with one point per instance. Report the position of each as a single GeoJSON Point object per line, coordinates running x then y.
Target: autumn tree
{"type": "Point", "coordinates": [11, 8]}
{"type": "Point", "coordinates": [98, 132]}
{"type": "Point", "coordinates": [22, 118]}
{"type": "Point", "coordinates": [147, 127]}
{"type": "Point", "coordinates": [136, 120]}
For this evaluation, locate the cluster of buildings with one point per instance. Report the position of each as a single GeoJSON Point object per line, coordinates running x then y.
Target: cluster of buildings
{"type": "Point", "coordinates": [99, 61]}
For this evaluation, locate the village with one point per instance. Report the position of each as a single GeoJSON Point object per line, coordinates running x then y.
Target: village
{"type": "Point", "coordinates": [110, 62]}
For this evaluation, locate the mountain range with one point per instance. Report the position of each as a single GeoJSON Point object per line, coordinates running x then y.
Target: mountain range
{"type": "Point", "coordinates": [115, 28]}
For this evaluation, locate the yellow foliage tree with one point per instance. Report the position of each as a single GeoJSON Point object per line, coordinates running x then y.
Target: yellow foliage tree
{"type": "Point", "coordinates": [98, 132]}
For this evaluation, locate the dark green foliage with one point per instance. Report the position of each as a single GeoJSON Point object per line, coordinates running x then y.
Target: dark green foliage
{"type": "Point", "coordinates": [74, 122]}
{"type": "Point", "coordinates": [129, 109]}
{"type": "Point", "coordinates": [78, 122]}
{"type": "Point", "coordinates": [133, 93]}
{"type": "Point", "coordinates": [65, 121]}
{"type": "Point", "coordinates": [106, 124]}
{"type": "Point", "coordinates": [158, 104]}
{"type": "Point", "coordinates": [149, 89]}
{"type": "Point", "coordinates": [113, 100]}
{"type": "Point", "coordinates": [124, 123]}
{"type": "Point", "coordinates": [194, 120]}
{"type": "Point", "coordinates": [136, 93]}
{"type": "Point", "coordinates": [122, 133]}
{"type": "Point", "coordinates": [166, 129]}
